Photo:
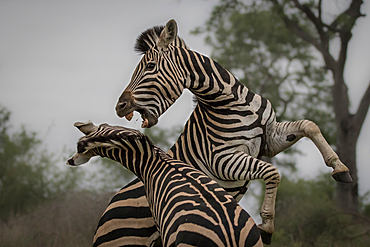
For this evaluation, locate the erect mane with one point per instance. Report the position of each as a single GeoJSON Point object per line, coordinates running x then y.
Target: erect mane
{"type": "Point", "coordinates": [148, 39]}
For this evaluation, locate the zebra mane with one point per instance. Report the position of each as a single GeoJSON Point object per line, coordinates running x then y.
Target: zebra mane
{"type": "Point", "coordinates": [148, 39]}
{"type": "Point", "coordinates": [111, 138]}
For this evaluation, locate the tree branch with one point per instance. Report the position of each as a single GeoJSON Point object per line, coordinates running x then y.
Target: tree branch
{"type": "Point", "coordinates": [362, 110]}
{"type": "Point", "coordinates": [347, 21]}
{"type": "Point", "coordinates": [293, 26]}
{"type": "Point", "coordinates": [353, 11]}
{"type": "Point", "coordinates": [318, 24]}
{"type": "Point", "coordinates": [320, 11]}
{"type": "Point", "coordinates": [322, 46]}
{"type": "Point", "coordinates": [344, 40]}
{"type": "Point", "coordinates": [344, 23]}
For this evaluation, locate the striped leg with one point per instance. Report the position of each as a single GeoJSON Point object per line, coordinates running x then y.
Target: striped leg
{"type": "Point", "coordinates": [280, 136]}
{"type": "Point", "coordinates": [250, 168]}
{"type": "Point", "coordinates": [127, 221]}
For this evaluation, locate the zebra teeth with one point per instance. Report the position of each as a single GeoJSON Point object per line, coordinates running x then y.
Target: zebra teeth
{"type": "Point", "coordinates": [129, 116]}
{"type": "Point", "coordinates": [145, 123]}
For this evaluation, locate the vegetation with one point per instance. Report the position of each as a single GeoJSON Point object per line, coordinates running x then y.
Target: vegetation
{"type": "Point", "coordinates": [163, 138]}
{"type": "Point", "coordinates": [28, 174]}
{"type": "Point", "coordinates": [42, 205]}
{"type": "Point", "coordinates": [66, 221]}
{"type": "Point", "coordinates": [306, 215]}
{"type": "Point", "coordinates": [45, 203]}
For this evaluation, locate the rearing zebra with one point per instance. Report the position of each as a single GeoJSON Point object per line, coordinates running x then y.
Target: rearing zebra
{"type": "Point", "coordinates": [189, 208]}
{"type": "Point", "coordinates": [230, 129]}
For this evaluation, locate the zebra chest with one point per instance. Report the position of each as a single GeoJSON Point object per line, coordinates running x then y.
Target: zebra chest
{"type": "Point", "coordinates": [230, 157]}
{"type": "Point", "coordinates": [249, 142]}
{"type": "Point", "coordinates": [251, 147]}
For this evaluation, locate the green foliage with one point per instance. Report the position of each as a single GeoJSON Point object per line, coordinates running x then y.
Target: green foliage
{"type": "Point", "coordinates": [28, 174]}
{"type": "Point", "coordinates": [367, 210]}
{"type": "Point", "coordinates": [107, 175]}
{"type": "Point", "coordinates": [163, 138]}
{"type": "Point", "coordinates": [251, 40]}
{"type": "Point", "coordinates": [306, 216]}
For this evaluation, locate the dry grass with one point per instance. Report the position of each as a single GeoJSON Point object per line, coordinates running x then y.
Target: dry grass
{"type": "Point", "coordinates": [68, 221]}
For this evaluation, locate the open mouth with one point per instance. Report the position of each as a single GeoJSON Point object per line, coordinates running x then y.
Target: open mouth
{"type": "Point", "coordinates": [126, 109]}
{"type": "Point", "coordinates": [147, 119]}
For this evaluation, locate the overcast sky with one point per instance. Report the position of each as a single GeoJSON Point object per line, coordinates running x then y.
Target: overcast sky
{"type": "Point", "coordinates": [68, 61]}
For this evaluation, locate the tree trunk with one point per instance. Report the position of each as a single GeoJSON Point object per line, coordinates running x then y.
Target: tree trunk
{"type": "Point", "coordinates": [347, 193]}
{"type": "Point", "coordinates": [347, 136]}
{"type": "Point", "coordinates": [348, 125]}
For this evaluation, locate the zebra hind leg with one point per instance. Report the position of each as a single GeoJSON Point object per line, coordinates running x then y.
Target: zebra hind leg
{"type": "Point", "coordinates": [252, 169]}
{"type": "Point", "coordinates": [280, 136]}
{"type": "Point", "coordinates": [267, 211]}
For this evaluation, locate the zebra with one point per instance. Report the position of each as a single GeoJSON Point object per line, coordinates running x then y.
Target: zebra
{"type": "Point", "coordinates": [189, 208]}
{"type": "Point", "coordinates": [230, 129]}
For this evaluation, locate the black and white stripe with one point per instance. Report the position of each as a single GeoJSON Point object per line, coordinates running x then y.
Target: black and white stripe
{"type": "Point", "coordinates": [189, 208]}
{"type": "Point", "coordinates": [230, 129]}
{"type": "Point", "coordinates": [127, 220]}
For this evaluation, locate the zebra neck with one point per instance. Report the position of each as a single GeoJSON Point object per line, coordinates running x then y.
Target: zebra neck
{"type": "Point", "coordinates": [209, 81]}
{"type": "Point", "coordinates": [141, 162]}
{"type": "Point", "coordinates": [158, 163]}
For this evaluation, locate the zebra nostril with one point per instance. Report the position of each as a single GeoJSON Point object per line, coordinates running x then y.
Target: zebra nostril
{"type": "Point", "coordinates": [122, 105]}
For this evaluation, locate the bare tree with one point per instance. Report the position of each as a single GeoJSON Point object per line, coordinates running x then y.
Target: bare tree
{"type": "Point", "coordinates": [348, 124]}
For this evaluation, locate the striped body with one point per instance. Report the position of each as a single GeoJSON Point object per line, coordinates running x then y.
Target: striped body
{"type": "Point", "coordinates": [127, 220]}
{"type": "Point", "coordinates": [188, 207]}
{"type": "Point", "coordinates": [226, 133]}
{"type": "Point", "coordinates": [230, 129]}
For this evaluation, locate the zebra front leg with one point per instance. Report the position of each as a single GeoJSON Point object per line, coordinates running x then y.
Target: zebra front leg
{"type": "Point", "coordinates": [250, 169]}
{"type": "Point", "coordinates": [280, 136]}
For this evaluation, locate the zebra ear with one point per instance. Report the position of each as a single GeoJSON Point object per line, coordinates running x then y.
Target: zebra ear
{"type": "Point", "coordinates": [85, 128]}
{"type": "Point", "coordinates": [168, 34]}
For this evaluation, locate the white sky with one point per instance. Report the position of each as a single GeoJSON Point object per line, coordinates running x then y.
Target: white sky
{"type": "Point", "coordinates": [68, 61]}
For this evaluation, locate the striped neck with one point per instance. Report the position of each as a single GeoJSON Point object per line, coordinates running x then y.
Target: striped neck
{"type": "Point", "coordinates": [209, 81]}
{"type": "Point", "coordinates": [139, 156]}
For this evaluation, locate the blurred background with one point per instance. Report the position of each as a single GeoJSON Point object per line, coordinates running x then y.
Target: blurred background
{"type": "Point", "coordinates": [68, 61]}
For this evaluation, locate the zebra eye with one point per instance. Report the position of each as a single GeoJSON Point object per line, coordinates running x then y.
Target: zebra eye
{"type": "Point", "coordinates": [81, 147]}
{"type": "Point", "coordinates": [150, 66]}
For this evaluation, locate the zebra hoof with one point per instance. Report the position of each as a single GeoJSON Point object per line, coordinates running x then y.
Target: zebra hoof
{"type": "Point", "coordinates": [343, 177]}
{"type": "Point", "coordinates": [265, 236]}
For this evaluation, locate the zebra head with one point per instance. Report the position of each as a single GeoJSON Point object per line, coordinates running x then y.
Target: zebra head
{"type": "Point", "coordinates": [156, 82]}
{"type": "Point", "coordinates": [104, 140]}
